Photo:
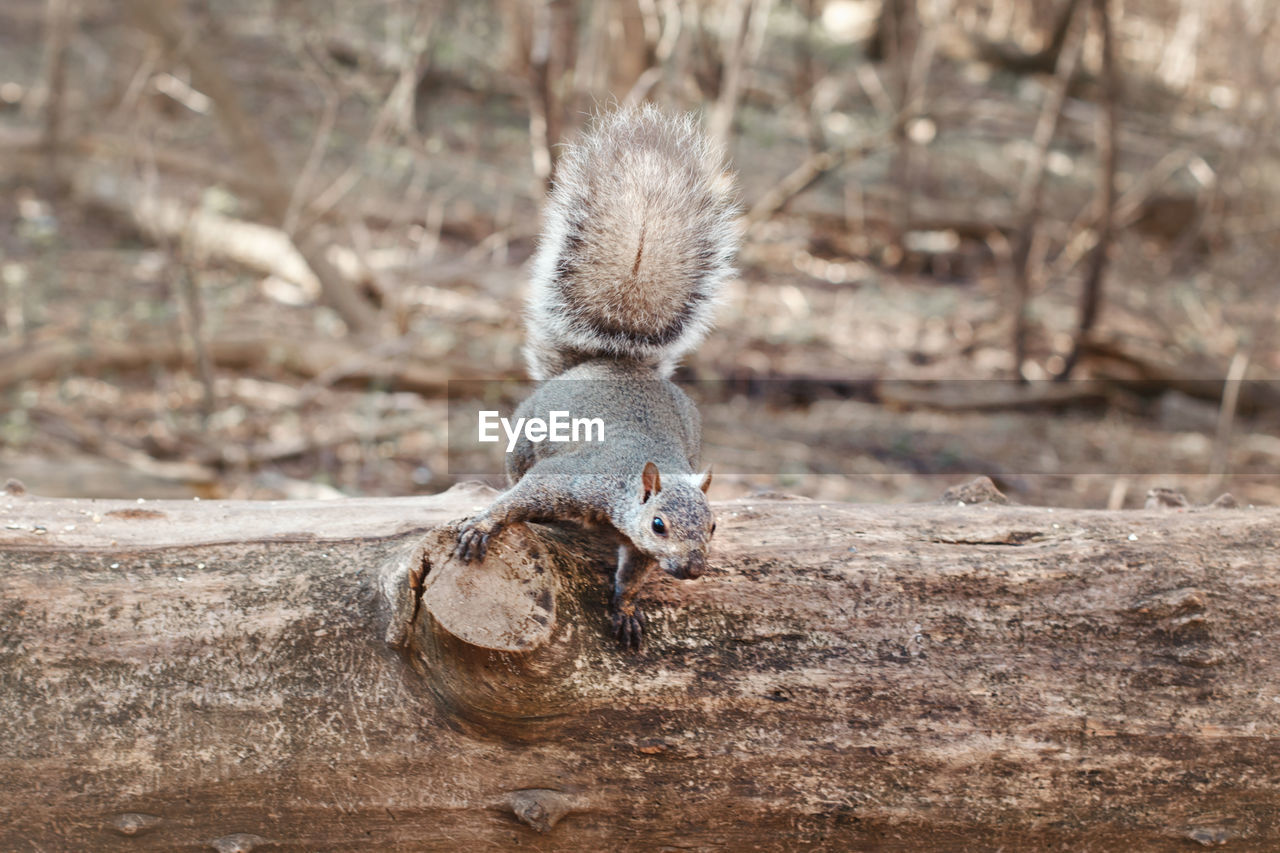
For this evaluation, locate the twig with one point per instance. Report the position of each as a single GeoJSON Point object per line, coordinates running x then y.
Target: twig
{"type": "Point", "coordinates": [1014, 59]}
{"type": "Point", "coordinates": [58, 20]}
{"type": "Point", "coordinates": [194, 306]}
{"type": "Point", "coordinates": [735, 25]}
{"type": "Point", "coordinates": [1031, 190]}
{"type": "Point", "coordinates": [542, 109]}
{"type": "Point", "coordinates": [201, 232]}
{"type": "Point", "coordinates": [914, 99]}
{"type": "Point", "coordinates": [361, 361]}
{"type": "Point", "coordinates": [989, 396]}
{"type": "Point", "coordinates": [1119, 489]}
{"type": "Point", "coordinates": [400, 107]}
{"type": "Point", "coordinates": [1220, 460]}
{"type": "Point", "coordinates": [1128, 209]}
{"type": "Point", "coordinates": [671, 31]}
{"type": "Point", "coordinates": [138, 81]}
{"type": "Point", "coordinates": [319, 145]}
{"type": "Point", "coordinates": [662, 32]}
{"type": "Point", "coordinates": [67, 425]}
{"type": "Point", "coordinates": [1148, 376]}
{"type": "Point", "coordinates": [311, 357]}
{"type": "Point", "coordinates": [805, 176]}
{"type": "Point", "coordinates": [331, 196]}
{"type": "Point", "coordinates": [874, 89]}
{"type": "Point", "coordinates": [1091, 297]}
{"type": "Point", "coordinates": [245, 138]}
{"type": "Point", "coordinates": [279, 451]}
{"type": "Point", "coordinates": [807, 83]}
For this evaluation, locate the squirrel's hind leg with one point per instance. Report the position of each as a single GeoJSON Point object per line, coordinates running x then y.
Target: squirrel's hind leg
{"type": "Point", "coordinates": [628, 619]}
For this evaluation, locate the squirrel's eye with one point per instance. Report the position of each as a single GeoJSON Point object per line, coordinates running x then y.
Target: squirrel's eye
{"type": "Point", "coordinates": [659, 526]}
{"type": "Point", "coordinates": [713, 527]}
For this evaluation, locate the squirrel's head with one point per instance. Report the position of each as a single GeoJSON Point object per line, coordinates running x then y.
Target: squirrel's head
{"type": "Point", "coordinates": [674, 524]}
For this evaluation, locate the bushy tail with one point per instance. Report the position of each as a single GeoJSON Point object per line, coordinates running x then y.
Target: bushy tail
{"type": "Point", "coordinates": [640, 234]}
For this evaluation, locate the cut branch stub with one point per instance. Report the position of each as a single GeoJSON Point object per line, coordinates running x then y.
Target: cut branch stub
{"type": "Point", "coordinates": [498, 641]}
{"type": "Point", "coordinates": [505, 603]}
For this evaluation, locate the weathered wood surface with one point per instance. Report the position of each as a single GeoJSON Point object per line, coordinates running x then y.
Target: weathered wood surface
{"type": "Point", "coordinates": [209, 675]}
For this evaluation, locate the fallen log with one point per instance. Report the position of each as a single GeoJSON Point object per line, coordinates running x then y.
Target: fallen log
{"type": "Point", "coordinates": [1149, 375]}
{"type": "Point", "coordinates": [314, 358]}
{"type": "Point", "coordinates": [324, 676]}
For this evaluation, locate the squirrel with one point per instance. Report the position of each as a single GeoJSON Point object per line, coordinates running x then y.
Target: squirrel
{"type": "Point", "coordinates": [639, 237]}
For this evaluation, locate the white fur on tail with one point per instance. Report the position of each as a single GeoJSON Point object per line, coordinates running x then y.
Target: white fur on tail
{"type": "Point", "coordinates": [640, 235]}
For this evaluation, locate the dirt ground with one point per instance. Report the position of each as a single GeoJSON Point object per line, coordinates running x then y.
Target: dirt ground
{"type": "Point", "coordinates": [796, 383]}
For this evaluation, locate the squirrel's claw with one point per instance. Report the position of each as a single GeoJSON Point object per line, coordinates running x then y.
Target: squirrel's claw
{"type": "Point", "coordinates": [628, 628]}
{"type": "Point", "coordinates": [473, 541]}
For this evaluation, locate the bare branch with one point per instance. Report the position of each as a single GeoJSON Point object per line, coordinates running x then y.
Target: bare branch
{"type": "Point", "coordinates": [1091, 295]}
{"type": "Point", "coordinates": [1031, 190]}
{"type": "Point", "coordinates": [1218, 465]}
{"type": "Point", "coordinates": [271, 192]}
{"type": "Point", "coordinates": [735, 26]}
{"type": "Point", "coordinates": [330, 359]}
{"type": "Point", "coordinates": [804, 176]}
{"type": "Point", "coordinates": [59, 15]}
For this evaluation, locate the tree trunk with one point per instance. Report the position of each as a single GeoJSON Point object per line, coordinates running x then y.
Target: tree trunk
{"type": "Point", "coordinates": [324, 676]}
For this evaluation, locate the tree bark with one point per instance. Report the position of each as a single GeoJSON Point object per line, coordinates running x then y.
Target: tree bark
{"type": "Point", "coordinates": [325, 676]}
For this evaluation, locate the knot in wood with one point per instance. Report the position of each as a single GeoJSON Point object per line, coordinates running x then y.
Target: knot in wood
{"type": "Point", "coordinates": [540, 808]}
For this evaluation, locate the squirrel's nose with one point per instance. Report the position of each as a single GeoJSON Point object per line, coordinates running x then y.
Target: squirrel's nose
{"type": "Point", "coordinates": [686, 570]}
{"type": "Point", "coordinates": [694, 568]}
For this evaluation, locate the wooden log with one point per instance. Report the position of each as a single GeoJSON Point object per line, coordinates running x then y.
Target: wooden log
{"type": "Point", "coordinates": [314, 358]}
{"type": "Point", "coordinates": [325, 676]}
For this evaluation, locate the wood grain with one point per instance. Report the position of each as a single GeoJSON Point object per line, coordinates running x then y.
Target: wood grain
{"type": "Point", "coordinates": [322, 676]}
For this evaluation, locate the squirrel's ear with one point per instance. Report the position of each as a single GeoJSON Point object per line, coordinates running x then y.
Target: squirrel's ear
{"type": "Point", "coordinates": [706, 480]}
{"type": "Point", "coordinates": [652, 482]}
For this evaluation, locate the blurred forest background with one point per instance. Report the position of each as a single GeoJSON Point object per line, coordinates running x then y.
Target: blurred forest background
{"type": "Point", "coordinates": [245, 246]}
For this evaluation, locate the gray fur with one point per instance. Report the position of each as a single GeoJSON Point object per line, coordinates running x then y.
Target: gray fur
{"type": "Point", "coordinates": [646, 419]}
{"type": "Point", "coordinates": [640, 235]}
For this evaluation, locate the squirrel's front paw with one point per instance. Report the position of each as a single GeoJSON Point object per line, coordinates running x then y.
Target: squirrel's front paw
{"type": "Point", "coordinates": [473, 538]}
{"type": "Point", "coordinates": [628, 627]}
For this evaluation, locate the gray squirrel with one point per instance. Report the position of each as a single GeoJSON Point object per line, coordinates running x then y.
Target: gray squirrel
{"type": "Point", "coordinates": [639, 237]}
